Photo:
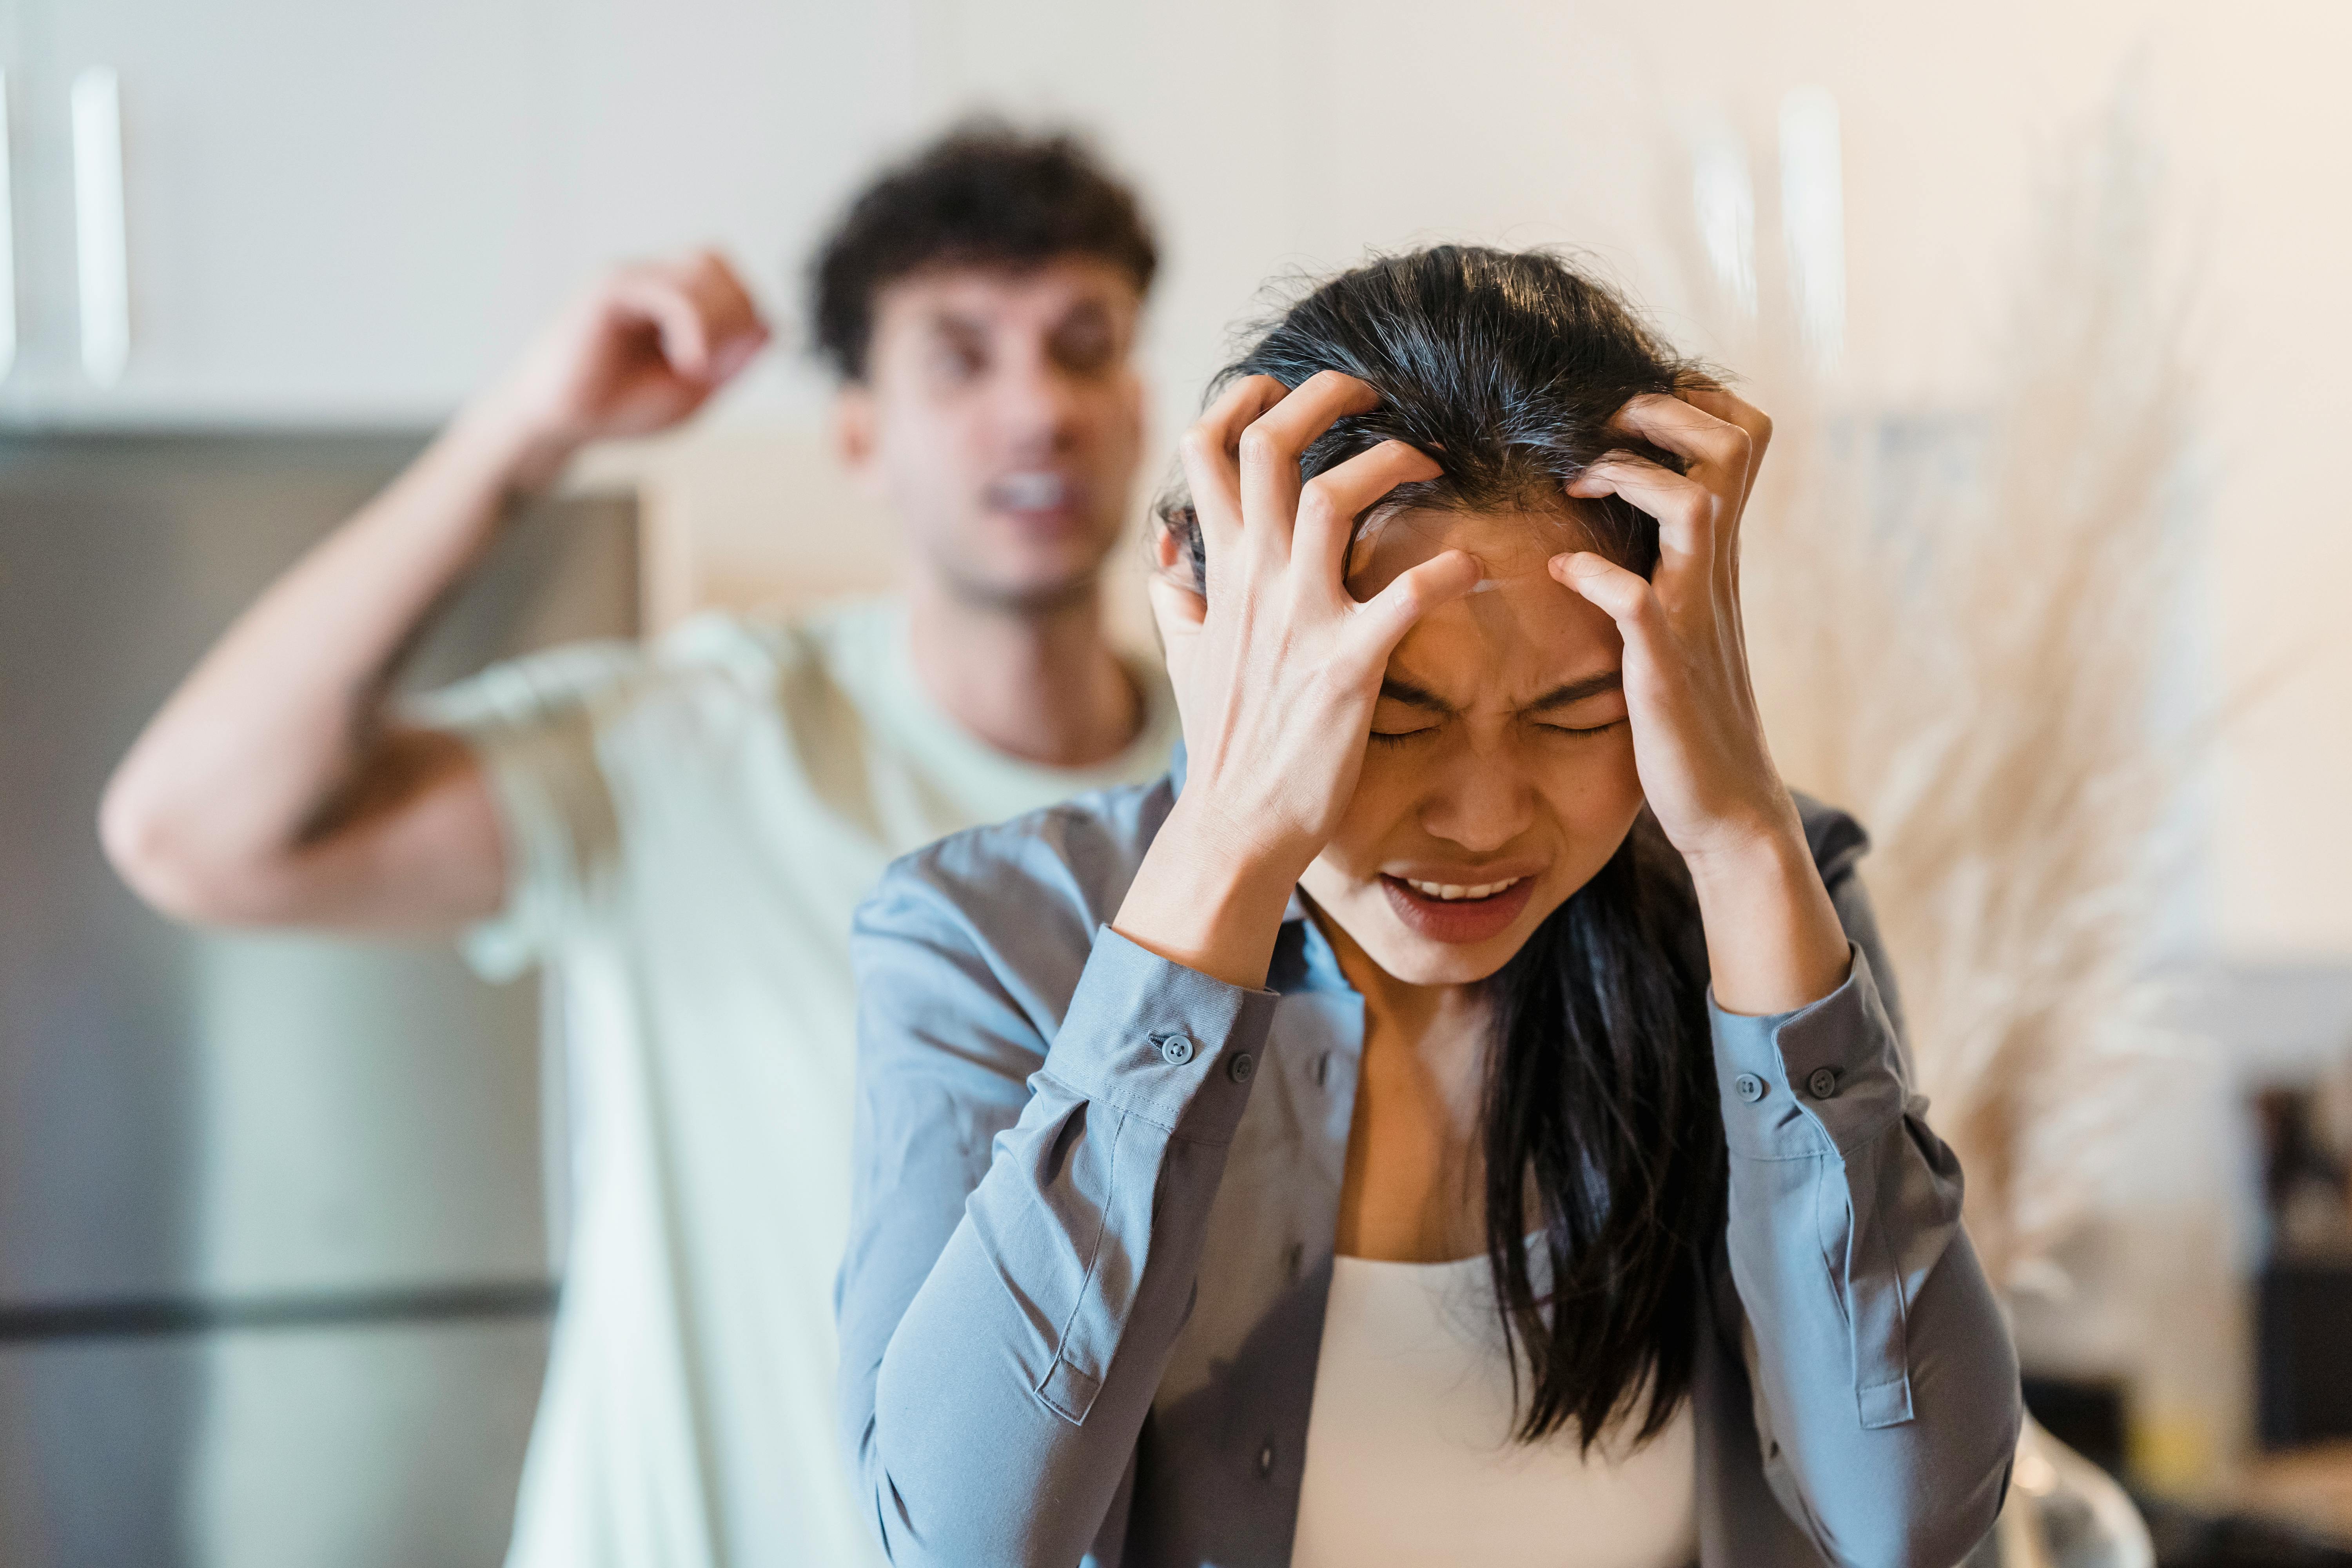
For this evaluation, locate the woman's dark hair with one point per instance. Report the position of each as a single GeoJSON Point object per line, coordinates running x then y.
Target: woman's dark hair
{"type": "Point", "coordinates": [1601, 1131]}
{"type": "Point", "coordinates": [984, 194]}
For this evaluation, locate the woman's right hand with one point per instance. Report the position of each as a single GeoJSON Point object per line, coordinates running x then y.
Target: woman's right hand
{"type": "Point", "coordinates": [1276, 670]}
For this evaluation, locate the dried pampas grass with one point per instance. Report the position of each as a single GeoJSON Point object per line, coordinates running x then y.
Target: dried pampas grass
{"type": "Point", "coordinates": [1967, 630]}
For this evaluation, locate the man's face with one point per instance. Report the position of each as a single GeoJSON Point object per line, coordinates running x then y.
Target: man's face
{"type": "Point", "coordinates": [1002, 418]}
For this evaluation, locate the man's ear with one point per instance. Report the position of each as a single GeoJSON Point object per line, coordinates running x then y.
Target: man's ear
{"type": "Point", "coordinates": [856, 433]}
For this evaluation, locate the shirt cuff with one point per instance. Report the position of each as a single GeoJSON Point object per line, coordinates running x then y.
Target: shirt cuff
{"type": "Point", "coordinates": [1147, 1037]}
{"type": "Point", "coordinates": [1820, 1079]}
{"type": "Point", "coordinates": [525, 793]}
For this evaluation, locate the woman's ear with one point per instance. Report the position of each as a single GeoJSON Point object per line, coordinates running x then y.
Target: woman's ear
{"type": "Point", "coordinates": [1176, 551]}
{"type": "Point", "coordinates": [1167, 549]}
{"type": "Point", "coordinates": [1178, 608]}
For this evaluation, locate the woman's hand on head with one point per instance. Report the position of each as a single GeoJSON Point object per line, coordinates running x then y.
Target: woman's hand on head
{"type": "Point", "coordinates": [1276, 668]}
{"type": "Point", "coordinates": [1697, 739]}
{"type": "Point", "coordinates": [1699, 743]}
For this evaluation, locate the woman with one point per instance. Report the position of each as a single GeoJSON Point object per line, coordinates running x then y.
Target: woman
{"type": "Point", "coordinates": [1334, 1153]}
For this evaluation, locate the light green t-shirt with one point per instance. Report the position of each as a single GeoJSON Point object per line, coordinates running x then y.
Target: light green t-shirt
{"type": "Point", "coordinates": [689, 826]}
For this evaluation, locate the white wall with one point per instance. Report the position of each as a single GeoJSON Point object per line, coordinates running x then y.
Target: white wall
{"type": "Point", "coordinates": [1274, 134]}
{"type": "Point", "coordinates": [1295, 134]}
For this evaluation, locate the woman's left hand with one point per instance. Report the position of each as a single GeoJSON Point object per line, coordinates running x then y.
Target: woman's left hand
{"type": "Point", "coordinates": [1699, 743]}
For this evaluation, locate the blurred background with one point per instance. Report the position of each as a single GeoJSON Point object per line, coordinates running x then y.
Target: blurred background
{"type": "Point", "coordinates": [281, 1221]}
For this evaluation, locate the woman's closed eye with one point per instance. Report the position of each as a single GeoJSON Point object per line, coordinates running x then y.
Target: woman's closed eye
{"type": "Point", "coordinates": [1584, 732]}
{"type": "Point", "coordinates": [1399, 735]}
{"type": "Point", "coordinates": [1407, 712]}
{"type": "Point", "coordinates": [1581, 710]}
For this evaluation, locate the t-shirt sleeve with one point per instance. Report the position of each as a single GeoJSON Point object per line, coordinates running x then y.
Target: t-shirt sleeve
{"type": "Point", "coordinates": [533, 724]}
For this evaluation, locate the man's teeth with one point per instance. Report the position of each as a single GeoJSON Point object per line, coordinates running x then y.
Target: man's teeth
{"type": "Point", "coordinates": [1029, 492]}
{"type": "Point", "coordinates": [1452, 890]}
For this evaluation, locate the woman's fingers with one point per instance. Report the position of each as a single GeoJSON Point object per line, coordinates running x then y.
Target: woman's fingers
{"type": "Point", "coordinates": [1208, 454]}
{"type": "Point", "coordinates": [1622, 595]}
{"type": "Point", "coordinates": [1721, 434]}
{"type": "Point", "coordinates": [1709, 398]}
{"type": "Point", "coordinates": [1684, 507]}
{"type": "Point", "coordinates": [1716, 449]}
{"type": "Point", "coordinates": [1270, 449]}
{"type": "Point", "coordinates": [1241, 460]}
{"type": "Point", "coordinates": [1381, 621]}
{"type": "Point", "coordinates": [1712, 399]}
{"type": "Point", "coordinates": [1626, 598]}
{"type": "Point", "coordinates": [1330, 502]}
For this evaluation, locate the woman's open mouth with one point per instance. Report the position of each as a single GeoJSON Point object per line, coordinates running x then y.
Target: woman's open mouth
{"type": "Point", "coordinates": [1460, 912]}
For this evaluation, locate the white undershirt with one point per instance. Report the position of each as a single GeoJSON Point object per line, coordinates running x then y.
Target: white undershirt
{"type": "Point", "coordinates": [1410, 1457]}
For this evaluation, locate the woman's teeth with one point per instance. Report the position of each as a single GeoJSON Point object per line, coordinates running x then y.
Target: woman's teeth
{"type": "Point", "coordinates": [1450, 892]}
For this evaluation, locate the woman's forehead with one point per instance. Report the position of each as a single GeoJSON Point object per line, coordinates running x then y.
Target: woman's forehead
{"type": "Point", "coordinates": [1512, 544]}
{"type": "Point", "coordinates": [1521, 632]}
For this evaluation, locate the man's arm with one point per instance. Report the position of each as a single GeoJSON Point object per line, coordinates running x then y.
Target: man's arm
{"type": "Point", "coordinates": [274, 788]}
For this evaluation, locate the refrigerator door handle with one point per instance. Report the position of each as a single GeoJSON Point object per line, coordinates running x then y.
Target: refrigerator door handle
{"type": "Point", "coordinates": [7, 244]}
{"type": "Point", "coordinates": [101, 245]}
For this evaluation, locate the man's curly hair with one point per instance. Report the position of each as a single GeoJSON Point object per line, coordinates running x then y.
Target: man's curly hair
{"type": "Point", "coordinates": [984, 194]}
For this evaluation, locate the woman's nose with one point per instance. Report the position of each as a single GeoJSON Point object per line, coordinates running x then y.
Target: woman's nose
{"type": "Point", "coordinates": [1483, 800]}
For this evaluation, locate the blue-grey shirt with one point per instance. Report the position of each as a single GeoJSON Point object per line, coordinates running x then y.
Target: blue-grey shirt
{"type": "Point", "coordinates": [1095, 1196]}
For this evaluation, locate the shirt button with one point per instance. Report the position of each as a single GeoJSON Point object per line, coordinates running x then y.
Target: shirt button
{"type": "Point", "coordinates": [1266, 1461]}
{"type": "Point", "coordinates": [1823, 1083]}
{"type": "Point", "coordinates": [1748, 1087]}
{"type": "Point", "coordinates": [1241, 1066]}
{"type": "Point", "coordinates": [1176, 1050]}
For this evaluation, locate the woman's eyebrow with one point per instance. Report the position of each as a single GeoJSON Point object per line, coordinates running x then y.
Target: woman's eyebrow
{"type": "Point", "coordinates": [1578, 690]}
{"type": "Point", "coordinates": [1395, 690]}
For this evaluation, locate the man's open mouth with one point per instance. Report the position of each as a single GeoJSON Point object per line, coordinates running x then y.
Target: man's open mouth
{"type": "Point", "coordinates": [1031, 491]}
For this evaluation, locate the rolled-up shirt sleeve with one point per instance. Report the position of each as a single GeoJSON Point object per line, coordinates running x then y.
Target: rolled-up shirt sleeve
{"type": "Point", "coordinates": [1881, 1365]}
{"type": "Point", "coordinates": [534, 725]}
{"type": "Point", "coordinates": [1031, 1198]}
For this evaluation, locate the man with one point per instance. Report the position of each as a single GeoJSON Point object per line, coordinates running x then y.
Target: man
{"type": "Point", "coordinates": [684, 831]}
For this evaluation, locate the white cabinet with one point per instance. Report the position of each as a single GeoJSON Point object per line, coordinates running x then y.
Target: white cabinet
{"type": "Point", "coordinates": [330, 212]}
{"type": "Point", "coordinates": [337, 212]}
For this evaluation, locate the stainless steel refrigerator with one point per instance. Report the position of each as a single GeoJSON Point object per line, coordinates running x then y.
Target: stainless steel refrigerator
{"type": "Point", "coordinates": [276, 1248]}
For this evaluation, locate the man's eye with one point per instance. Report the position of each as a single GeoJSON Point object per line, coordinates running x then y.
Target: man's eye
{"type": "Point", "coordinates": [960, 363]}
{"type": "Point", "coordinates": [1398, 737]}
{"type": "Point", "coordinates": [1083, 352]}
{"type": "Point", "coordinates": [1587, 732]}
